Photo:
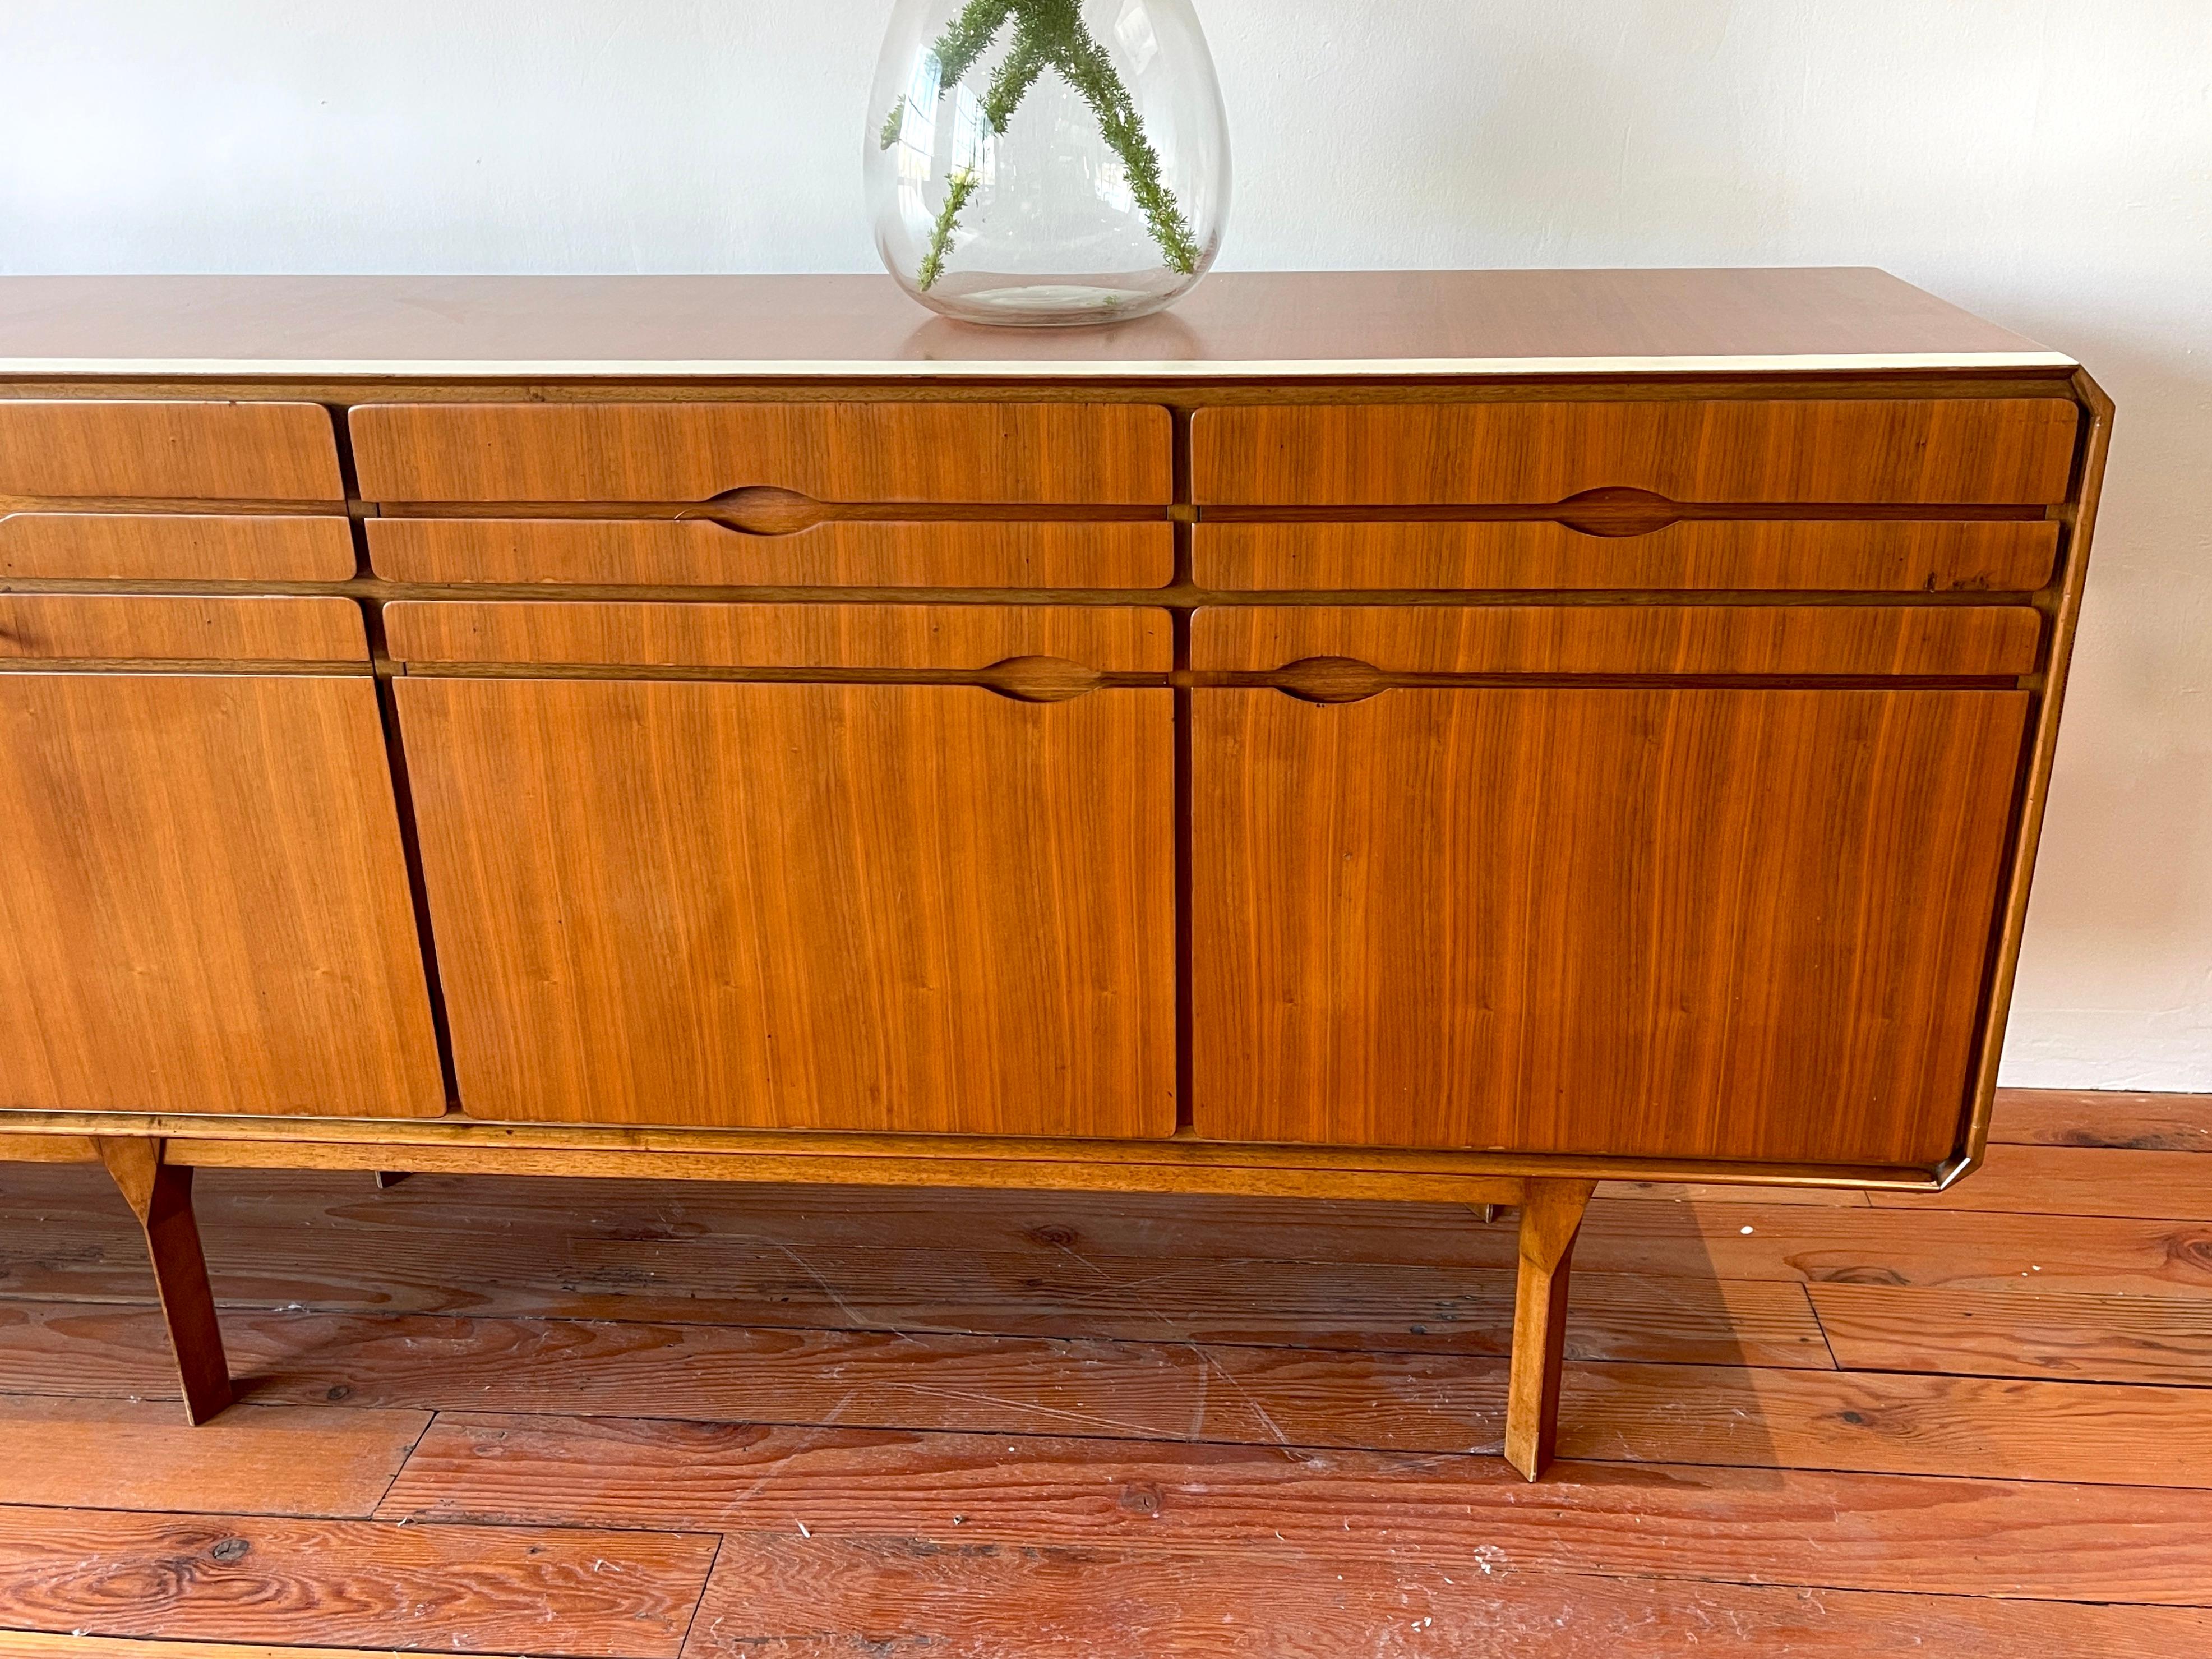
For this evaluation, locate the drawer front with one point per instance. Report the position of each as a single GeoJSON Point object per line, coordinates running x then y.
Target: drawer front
{"type": "Point", "coordinates": [170, 451]}
{"type": "Point", "coordinates": [1959, 450]}
{"type": "Point", "coordinates": [1021, 453]}
{"type": "Point", "coordinates": [175, 547]}
{"type": "Point", "coordinates": [896, 908]}
{"type": "Point", "coordinates": [1108, 639]}
{"type": "Point", "coordinates": [167, 628]}
{"type": "Point", "coordinates": [206, 900]}
{"type": "Point", "coordinates": [1801, 555]}
{"type": "Point", "coordinates": [692, 552]}
{"type": "Point", "coordinates": [1661, 922]}
{"type": "Point", "coordinates": [1625, 639]}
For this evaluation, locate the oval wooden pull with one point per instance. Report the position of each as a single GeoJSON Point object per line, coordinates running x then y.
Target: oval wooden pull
{"type": "Point", "coordinates": [763, 510]}
{"type": "Point", "coordinates": [1617, 511]}
{"type": "Point", "coordinates": [1331, 679]}
{"type": "Point", "coordinates": [1042, 679]}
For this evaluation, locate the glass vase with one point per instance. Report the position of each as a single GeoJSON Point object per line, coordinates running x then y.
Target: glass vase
{"type": "Point", "coordinates": [1043, 161]}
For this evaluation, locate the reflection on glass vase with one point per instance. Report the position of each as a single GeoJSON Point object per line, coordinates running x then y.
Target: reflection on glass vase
{"type": "Point", "coordinates": [1041, 161]}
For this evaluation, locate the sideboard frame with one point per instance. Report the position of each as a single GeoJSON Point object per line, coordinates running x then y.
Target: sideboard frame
{"type": "Point", "coordinates": [153, 1157]}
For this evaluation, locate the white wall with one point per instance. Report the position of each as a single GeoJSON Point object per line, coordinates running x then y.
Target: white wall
{"type": "Point", "coordinates": [2045, 162]}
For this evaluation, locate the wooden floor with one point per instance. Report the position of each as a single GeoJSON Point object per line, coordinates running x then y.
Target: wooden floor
{"type": "Point", "coordinates": [511, 1416]}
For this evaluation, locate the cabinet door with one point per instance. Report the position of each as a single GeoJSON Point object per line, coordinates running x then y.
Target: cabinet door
{"type": "Point", "coordinates": [204, 905]}
{"type": "Point", "coordinates": [887, 907]}
{"type": "Point", "coordinates": [1656, 922]}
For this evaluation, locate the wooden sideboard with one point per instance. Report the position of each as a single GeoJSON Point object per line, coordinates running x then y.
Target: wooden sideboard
{"type": "Point", "coordinates": [1454, 736]}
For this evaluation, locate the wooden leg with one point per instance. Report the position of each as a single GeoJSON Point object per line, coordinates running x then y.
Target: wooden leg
{"type": "Point", "coordinates": [1550, 1216]}
{"type": "Point", "coordinates": [161, 1195]}
{"type": "Point", "coordinates": [389, 1178]}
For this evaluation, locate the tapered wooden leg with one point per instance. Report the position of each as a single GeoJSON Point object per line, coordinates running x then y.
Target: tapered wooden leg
{"type": "Point", "coordinates": [161, 1195]}
{"type": "Point", "coordinates": [1550, 1216]}
{"type": "Point", "coordinates": [389, 1178]}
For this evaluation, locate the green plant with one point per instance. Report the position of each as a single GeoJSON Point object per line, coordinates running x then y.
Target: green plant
{"type": "Point", "coordinates": [1048, 34]}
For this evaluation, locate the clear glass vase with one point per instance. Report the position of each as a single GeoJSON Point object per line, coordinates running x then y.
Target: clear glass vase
{"type": "Point", "coordinates": [1041, 161]}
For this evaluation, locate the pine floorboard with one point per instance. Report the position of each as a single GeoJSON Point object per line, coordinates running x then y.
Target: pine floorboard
{"type": "Point", "coordinates": [669, 1421]}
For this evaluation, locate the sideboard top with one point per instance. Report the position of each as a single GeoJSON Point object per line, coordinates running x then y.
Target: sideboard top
{"type": "Point", "coordinates": [1271, 325]}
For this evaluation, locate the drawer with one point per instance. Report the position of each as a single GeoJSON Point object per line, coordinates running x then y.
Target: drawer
{"type": "Point", "coordinates": [170, 451]}
{"type": "Point", "coordinates": [1029, 453]}
{"type": "Point", "coordinates": [1963, 450]}
{"type": "Point", "coordinates": [159, 627]}
{"type": "Point", "coordinates": [687, 552]}
{"type": "Point", "coordinates": [175, 547]}
{"type": "Point", "coordinates": [1109, 639]}
{"type": "Point", "coordinates": [1894, 555]}
{"type": "Point", "coordinates": [1625, 639]}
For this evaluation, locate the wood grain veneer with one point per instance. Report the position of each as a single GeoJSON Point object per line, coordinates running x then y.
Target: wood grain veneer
{"type": "Point", "coordinates": [1565, 918]}
{"type": "Point", "coordinates": [1107, 638]}
{"type": "Point", "coordinates": [203, 906]}
{"type": "Point", "coordinates": [859, 907]}
{"type": "Point", "coordinates": [1962, 450]}
{"type": "Point", "coordinates": [1839, 555]}
{"type": "Point", "coordinates": [681, 552]}
{"type": "Point", "coordinates": [1235, 326]}
{"type": "Point", "coordinates": [1625, 639]}
{"type": "Point", "coordinates": [1103, 453]}
{"type": "Point", "coordinates": [276, 451]}
{"type": "Point", "coordinates": [153, 627]}
{"type": "Point", "coordinates": [175, 547]}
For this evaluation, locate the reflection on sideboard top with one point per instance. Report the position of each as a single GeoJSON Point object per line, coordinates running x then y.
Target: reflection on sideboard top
{"type": "Point", "coordinates": [1241, 323]}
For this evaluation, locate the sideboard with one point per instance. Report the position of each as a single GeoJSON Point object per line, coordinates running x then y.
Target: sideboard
{"type": "Point", "coordinates": [1443, 736]}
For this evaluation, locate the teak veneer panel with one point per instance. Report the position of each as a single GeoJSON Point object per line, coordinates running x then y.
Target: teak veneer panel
{"type": "Point", "coordinates": [273, 451]}
{"type": "Point", "coordinates": [203, 906]}
{"type": "Point", "coordinates": [1721, 923]}
{"type": "Point", "coordinates": [1623, 638]}
{"type": "Point", "coordinates": [1237, 326]}
{"type": "Point", "coordinates": [175, 547]}
{"type": "Point", "coordinates": [158, 627]}
{"type": "Point", "coordinates": [1840, 555]}
{"type": "Point", "coordinates": [1107, 638]}
{"type": "Point", "coordinates": [1102, 453]}
{"type": "Point", "coordinates": [698, 552]}
{"type": "Point", "coordinates": [866, 907]}
{"type": "Point", "coordinates": [1959, 450]}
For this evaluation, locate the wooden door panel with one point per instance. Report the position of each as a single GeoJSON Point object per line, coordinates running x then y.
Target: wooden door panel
{"type": "Point", "coordinates": [1886, 554]}
{"type": "Point", "coordinates": [2013, 450]}
{"type": "Point", "coordinates": [855, 907]}
{"type": "Point", "coordinates": [1015, 452]}
{"type": "Point", "coordinates": [203, 906]}
{"type": "Point", "coordinates": [1954, 639]}
{"type": "Point", "coordinates": [1715, 923]}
